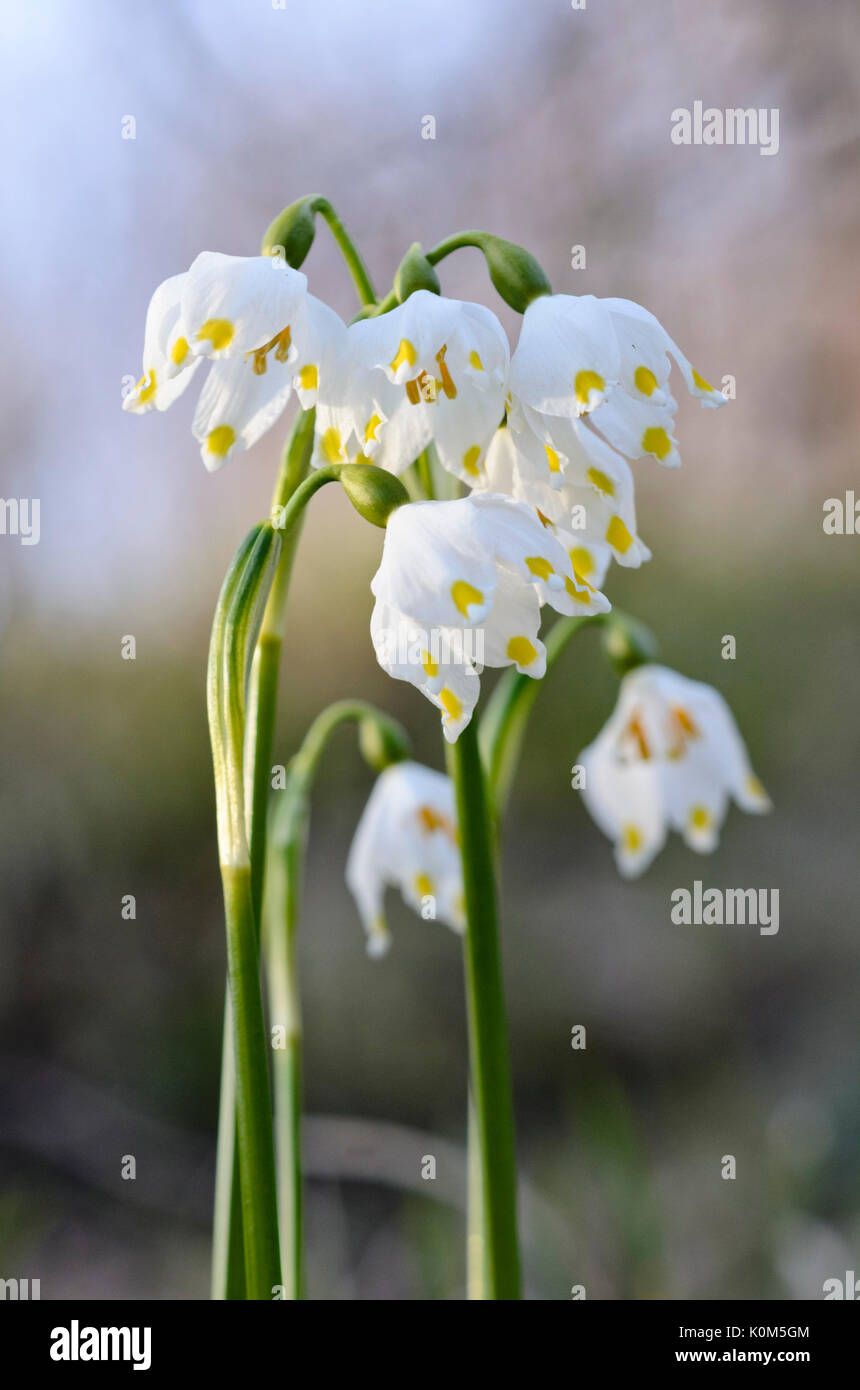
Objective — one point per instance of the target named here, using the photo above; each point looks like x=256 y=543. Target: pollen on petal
x=585 y=383
x=522 y=651
x=539 y=567
x=331 y=445
x=309 y=377
x=218 y=331
x=465 y=595
x=471 y=460
x=405 y=353
x=452 y=706
x=645 y=380
x=700 y=382
x=601 y=481
x=618 y=536
x=179 y=351
x=221 y=440
x=656 y=441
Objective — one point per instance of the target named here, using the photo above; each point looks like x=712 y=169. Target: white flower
x=433 y=369
x=670 y=757
x=407 y=838
x=461 y=584
x=252 y=316
x=607 y=359
x=587 y=503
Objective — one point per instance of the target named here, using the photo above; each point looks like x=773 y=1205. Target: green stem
x=488 y=1031
x=349 y=251
x=253 y=1105
x=228 y=1254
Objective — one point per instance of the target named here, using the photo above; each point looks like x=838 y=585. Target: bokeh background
x=553 y=130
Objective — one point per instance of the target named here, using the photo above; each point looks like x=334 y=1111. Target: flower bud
x=515 y=273
x=415 y=273
x=372 y=491
x=627 y=642
x=294 y=230
x=382 y=741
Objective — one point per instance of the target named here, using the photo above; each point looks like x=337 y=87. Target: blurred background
x=552 y=128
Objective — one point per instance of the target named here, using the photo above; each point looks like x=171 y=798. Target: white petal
x=567 y=355
x=232 y=305
x=168 y=365
x=237 y=406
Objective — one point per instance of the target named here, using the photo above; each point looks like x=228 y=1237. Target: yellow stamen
x=447 y=380
x=635 y=728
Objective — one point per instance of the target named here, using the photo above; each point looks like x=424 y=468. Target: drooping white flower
x=607 y=360
x=407 y=838
x=669 y=758
x=265 y=335
x=431 y=370
x=589 y=506
x=460 y=585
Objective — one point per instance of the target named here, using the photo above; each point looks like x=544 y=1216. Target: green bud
x=372 y=491
x=293 y=229
x=627 y=642
x=515 y=273
x=382 y=741
x=415 y=273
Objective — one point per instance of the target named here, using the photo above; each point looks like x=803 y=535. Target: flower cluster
x=541 y=438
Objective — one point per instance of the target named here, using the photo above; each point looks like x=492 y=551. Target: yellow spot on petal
x=309 y=377
x=699 y=818
x=371 y=429
x=218 y=331
x=585 y=383
x=471 y=459
x=221 y=440
x=475 y=361
x=601 y=481
x=645 y=380
x=331 y=445
x=405 y=353
x=755 y=787
x=451 y=705
x=631 y=838
x=582 y=561
x=656 y=441
x=582 y=595
x=179 y=351
x=700 y=382
x=148 y=391
x=430 y=666
x=539 y=566
x=618 y=536
x=424 y=886
x=522 y=651
x=552 y=459
x=465 y=595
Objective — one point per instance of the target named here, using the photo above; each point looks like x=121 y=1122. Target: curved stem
x=286 y=853
x=488 y=1031
x=357 y=268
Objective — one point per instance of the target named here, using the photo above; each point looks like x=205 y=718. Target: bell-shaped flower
x=669 y=758
x=407 y=838
x=431 y=370
x=607 y=360
x=460 y=586
x=250 y=315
